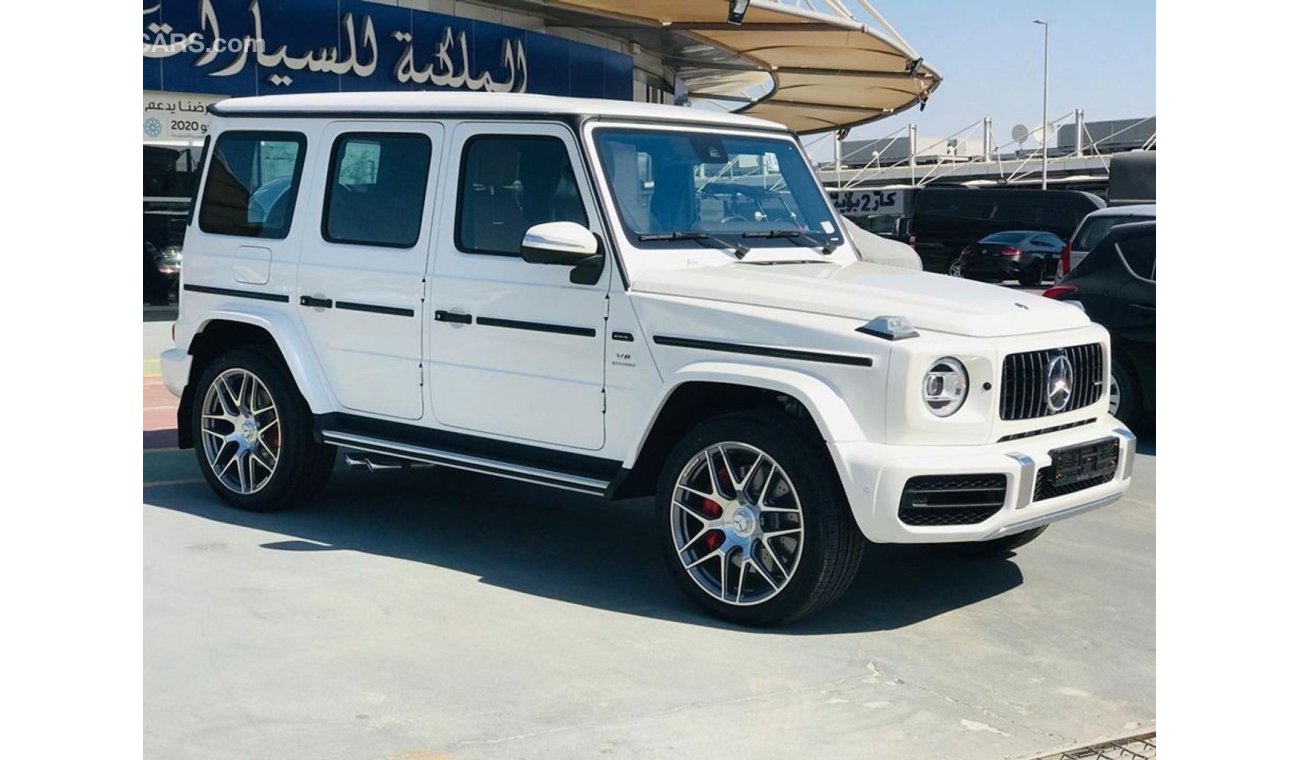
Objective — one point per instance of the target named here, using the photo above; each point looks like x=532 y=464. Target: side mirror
x=562 y=243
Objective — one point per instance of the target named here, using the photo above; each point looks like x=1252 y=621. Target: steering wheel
x=733 y=218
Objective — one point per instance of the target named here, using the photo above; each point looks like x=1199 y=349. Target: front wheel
x=955 y=268
x=753 y=521
x=254 y=438
x=1032 y=277
x=1125 y=404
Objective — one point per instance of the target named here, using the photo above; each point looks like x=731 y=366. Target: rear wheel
x=955 y=268
x=753 y=522
x=255 y=445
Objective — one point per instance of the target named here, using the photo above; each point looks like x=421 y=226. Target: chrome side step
x=459 y=461
x=381 y=463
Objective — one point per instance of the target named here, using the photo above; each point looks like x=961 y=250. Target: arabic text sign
x=869 y=201
x=236 y=47
x=176 y=116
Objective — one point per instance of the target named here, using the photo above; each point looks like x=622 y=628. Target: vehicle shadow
x=574 y=548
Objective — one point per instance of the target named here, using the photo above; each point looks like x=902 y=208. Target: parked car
x=1021 y=255
x=1116 y=285
x=946 y=219
x=532 y=288
x=1094 y=227
x=162 y=271
x=880 y=249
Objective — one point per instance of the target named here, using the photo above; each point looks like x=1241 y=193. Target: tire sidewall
x=295 y=428
x=820 y=497
x=1130 y=410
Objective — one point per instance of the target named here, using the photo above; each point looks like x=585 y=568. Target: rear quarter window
x=252 y=184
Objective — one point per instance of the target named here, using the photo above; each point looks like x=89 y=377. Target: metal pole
x=988 y=139
x=911 y=151
x=1078 y=133
x=1044 y=133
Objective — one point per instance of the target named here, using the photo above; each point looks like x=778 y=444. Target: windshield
x=725 y=186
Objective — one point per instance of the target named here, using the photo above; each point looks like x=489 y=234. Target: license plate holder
x=1083 y=461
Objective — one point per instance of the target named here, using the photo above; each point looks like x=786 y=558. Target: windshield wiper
x=812 y=242
x=702 y=237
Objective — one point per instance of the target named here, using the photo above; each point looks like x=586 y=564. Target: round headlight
x=945 y=385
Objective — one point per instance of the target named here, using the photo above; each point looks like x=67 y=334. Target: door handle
x=447 y=316
x=319 y=303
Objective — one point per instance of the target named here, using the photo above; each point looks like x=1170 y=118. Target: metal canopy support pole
x=1078 y=133
x=911 y=151
x=988 y=139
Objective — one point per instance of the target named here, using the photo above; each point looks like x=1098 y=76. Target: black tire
x=1130 y=398
x=997 y=547
x=303 y=465
x=831 y=547
x=1032 y=277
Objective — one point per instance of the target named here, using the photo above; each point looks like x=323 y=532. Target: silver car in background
x=1094 y=227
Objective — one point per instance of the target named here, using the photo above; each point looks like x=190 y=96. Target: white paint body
x=598 y=396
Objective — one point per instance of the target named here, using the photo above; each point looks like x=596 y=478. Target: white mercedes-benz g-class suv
x=625 y=300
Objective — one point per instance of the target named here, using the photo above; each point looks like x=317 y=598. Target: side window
x=252 y=184
x=1140 y=254
x=375 y=190
x=510 y=183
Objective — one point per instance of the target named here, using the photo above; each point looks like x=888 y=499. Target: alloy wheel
x=241 y=431
x=1115 y=396
x=737 y=524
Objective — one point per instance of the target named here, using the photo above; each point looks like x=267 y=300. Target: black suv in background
x=946 y=219
x=1116 y=285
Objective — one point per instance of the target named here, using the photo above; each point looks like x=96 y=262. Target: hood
x=862 y=291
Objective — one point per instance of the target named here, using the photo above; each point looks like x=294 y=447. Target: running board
x=468 y=462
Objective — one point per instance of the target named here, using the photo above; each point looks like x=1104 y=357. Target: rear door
x=361 y=274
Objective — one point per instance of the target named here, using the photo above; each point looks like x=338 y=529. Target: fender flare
x=826 y=407
x=292 y=343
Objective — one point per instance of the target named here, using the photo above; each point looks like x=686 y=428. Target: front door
x=361 y=274
x=516 y=349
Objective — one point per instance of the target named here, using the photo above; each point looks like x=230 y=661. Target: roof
x=1140 y=209
x=826 y=68
x=451 y=103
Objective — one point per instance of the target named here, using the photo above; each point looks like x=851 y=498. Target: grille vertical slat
x=1024 y=381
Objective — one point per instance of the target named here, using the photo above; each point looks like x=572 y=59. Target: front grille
x=1024 y=381
x=1044 y=488
x=952 y=499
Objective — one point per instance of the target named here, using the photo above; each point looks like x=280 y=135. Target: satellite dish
x=1020 y=133
x=1038 y=134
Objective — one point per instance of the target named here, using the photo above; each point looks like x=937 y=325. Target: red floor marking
x=159 y=415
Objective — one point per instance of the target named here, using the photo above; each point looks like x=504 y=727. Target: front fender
x=293 y=345
x=826 y=407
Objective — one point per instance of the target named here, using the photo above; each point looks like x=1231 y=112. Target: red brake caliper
x=713 y=510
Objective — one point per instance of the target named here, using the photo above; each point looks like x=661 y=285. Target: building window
x=375 y=194
x=252 y=184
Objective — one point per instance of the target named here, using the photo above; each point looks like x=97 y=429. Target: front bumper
x=175 y=369
x=874 y=476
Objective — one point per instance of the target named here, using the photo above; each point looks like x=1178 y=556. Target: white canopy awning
x=824 y=69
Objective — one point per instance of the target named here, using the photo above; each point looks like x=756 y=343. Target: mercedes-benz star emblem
x=1060 y=383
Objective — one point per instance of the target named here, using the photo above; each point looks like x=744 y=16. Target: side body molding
x=293 y=345
x=826 y=407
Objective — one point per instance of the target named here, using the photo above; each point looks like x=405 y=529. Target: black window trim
x=329 y=189
x=1128 y=265
x=460 y=186
x=295 y=184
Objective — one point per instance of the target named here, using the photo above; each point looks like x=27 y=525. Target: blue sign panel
x=263 y=47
